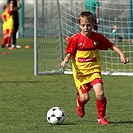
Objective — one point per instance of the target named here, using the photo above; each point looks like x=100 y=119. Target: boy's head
x=4 y=7
x=86 y=15
x=86 y=23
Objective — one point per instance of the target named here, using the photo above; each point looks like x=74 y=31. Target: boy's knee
x=100 y=95
x=84 y=98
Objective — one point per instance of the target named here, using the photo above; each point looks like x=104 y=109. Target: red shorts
x=85 y=88
x=8 y=31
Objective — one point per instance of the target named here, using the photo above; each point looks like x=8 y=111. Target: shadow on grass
x=69 y=124
x=121 y=122
x=9 y=82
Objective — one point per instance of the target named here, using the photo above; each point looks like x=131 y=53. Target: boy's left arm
x=4 y=17
x=18 y=6
x=123 y=58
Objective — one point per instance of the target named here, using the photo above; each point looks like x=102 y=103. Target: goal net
x=54 y=20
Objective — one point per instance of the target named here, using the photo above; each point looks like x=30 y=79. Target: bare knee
x=100 y=95
x=84 y=98
x=99 y=91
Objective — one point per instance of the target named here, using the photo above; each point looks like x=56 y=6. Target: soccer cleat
x=16 y=46
x=80 y=109
x=103 y=121
x=13 y=46
x=7 y=45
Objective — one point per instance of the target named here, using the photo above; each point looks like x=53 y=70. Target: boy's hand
x=124 y=59
x=67 y=58
x=63 y=64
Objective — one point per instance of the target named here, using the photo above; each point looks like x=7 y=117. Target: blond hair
x=88 y=15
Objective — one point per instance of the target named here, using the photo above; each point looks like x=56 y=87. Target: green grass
x=25 y=99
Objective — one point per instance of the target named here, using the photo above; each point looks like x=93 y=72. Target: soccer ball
x=55 y=116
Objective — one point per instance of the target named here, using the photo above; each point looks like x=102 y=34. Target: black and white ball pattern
x=55 y=116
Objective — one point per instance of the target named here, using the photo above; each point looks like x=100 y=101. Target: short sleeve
x=104 y=43
x=72 y=47
x=4 y=17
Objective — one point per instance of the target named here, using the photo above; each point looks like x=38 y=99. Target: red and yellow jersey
x=7 y=20
x=85 y=56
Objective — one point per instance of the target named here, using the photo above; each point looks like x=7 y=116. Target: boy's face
x=86 y=27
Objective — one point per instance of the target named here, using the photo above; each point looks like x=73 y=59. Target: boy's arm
x=67 y=58
x=11 y=6
x=4 y=17
x=123 y=58
x=18 y=6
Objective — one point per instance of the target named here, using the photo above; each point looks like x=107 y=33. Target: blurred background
x=109 y=10
x=26 y=14
x=57 y=19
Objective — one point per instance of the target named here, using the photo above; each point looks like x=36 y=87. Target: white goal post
x=54 y=20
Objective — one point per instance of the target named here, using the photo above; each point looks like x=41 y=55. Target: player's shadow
x=69 y=123
x=121 y=122
x=9 y=82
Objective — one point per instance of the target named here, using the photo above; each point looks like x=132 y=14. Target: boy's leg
x=83 y=98
x=100 y=101
x=80 y=107
x=8 y=38
x=101 y=108
x=4 y=39
x=9 y=41
x=4 y=42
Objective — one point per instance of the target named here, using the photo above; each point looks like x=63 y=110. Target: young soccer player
x=7 y=24
x=16 y=7
x=83 y=49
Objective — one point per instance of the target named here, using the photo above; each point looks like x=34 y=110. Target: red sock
x=79 y=101
x=9 y=41
x=4 y=41
x=101 y=107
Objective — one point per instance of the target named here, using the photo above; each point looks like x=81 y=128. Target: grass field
x=25 y=99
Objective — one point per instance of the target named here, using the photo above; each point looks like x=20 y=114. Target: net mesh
x=56 y=22
x=48 y=37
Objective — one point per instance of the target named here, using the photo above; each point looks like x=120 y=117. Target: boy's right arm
x=18 y=5
x=67 y=58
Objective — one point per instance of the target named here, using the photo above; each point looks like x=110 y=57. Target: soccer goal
x=54 y=20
